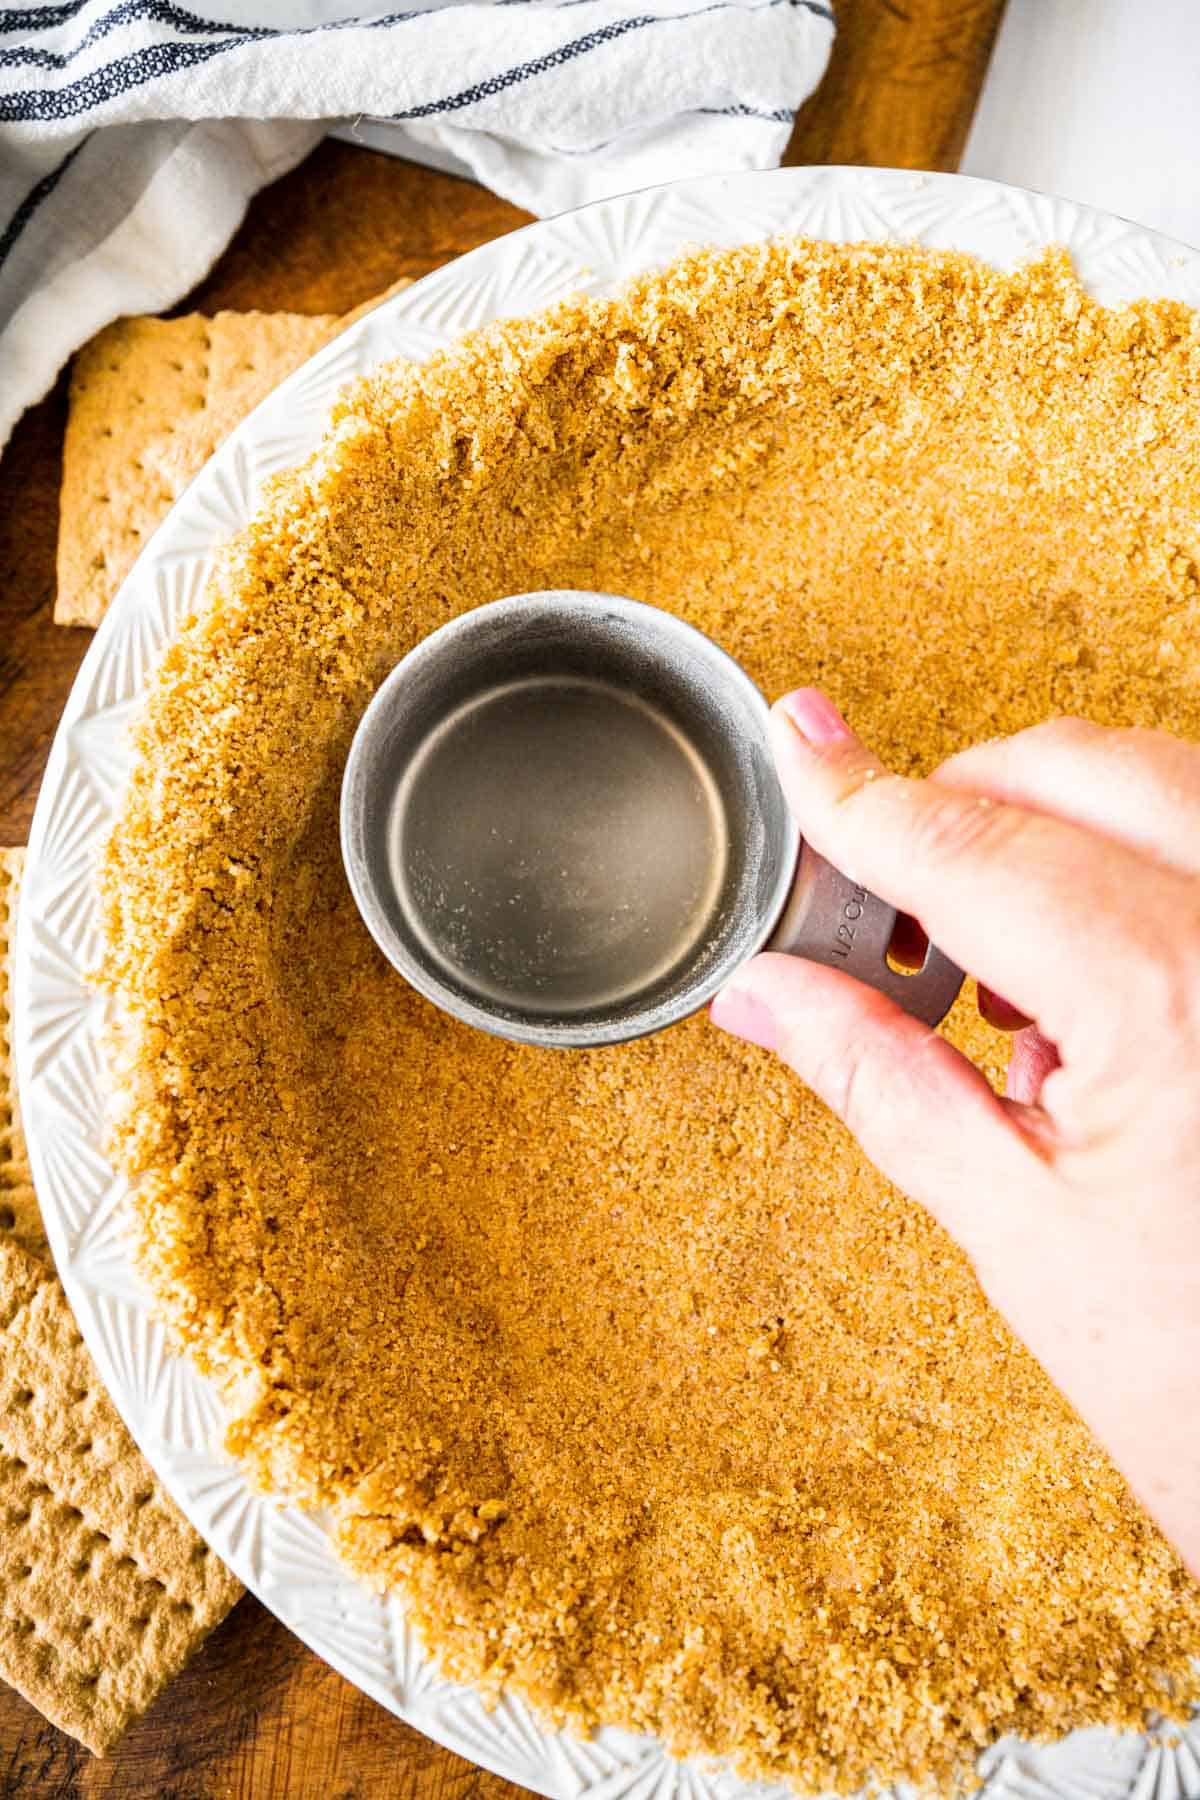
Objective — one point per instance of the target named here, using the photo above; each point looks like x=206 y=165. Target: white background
x=1098 y=100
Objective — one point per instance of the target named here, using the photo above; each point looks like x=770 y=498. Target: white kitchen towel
x=133 y=132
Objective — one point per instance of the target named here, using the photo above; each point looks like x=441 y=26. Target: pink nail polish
x=744 y=1015
x=816 y=717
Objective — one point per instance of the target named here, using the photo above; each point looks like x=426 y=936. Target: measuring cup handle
x=829 y=919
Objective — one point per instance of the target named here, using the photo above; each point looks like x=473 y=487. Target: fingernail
x=744 y=1015
x=815 y=717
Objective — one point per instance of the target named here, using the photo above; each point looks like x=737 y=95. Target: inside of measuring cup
x=567 y=818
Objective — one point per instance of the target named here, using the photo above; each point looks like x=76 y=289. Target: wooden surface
x=256 y=1716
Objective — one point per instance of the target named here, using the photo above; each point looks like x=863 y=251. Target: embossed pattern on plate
x=277 y=1551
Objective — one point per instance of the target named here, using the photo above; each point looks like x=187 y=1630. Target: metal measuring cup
x=561 y=822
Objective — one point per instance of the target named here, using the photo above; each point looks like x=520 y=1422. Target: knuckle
x=951 y=827
x=1068 y=730
x=1148 y=1026
x=1161 y=985
x=843 y=1080
x=863 y=800
x=1160 y=754
x=856 y=777
x=852 y=1096
x=858 y=1084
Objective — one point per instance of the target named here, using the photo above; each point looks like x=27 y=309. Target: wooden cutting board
x=257 y=1716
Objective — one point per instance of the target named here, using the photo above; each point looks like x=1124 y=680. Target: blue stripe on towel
x=157 y=60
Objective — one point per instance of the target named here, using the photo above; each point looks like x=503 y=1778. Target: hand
x=1062 y=868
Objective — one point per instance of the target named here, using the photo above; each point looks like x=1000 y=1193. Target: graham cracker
x=134 y=385
x=245 y=355
x=105 y=1589
x=150 y=401
x=20 y=1216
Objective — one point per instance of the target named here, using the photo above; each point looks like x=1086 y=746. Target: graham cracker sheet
x=150 y=400
x=105 y=1589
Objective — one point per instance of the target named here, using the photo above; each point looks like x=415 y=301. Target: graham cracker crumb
x=661 y=1406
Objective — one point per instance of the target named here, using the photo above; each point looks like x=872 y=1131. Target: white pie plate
x=279 y=1552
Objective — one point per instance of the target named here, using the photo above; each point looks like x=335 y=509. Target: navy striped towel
x=133 y=132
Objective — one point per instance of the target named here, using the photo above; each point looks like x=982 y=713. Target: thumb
x=922 y=1112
